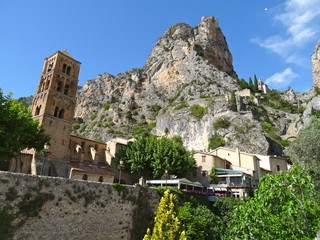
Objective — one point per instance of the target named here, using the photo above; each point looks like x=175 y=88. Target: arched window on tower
x=50 y=67
x=38 y=110
x=43 y=85
x=85 y=177
x=64 y=68
x=47 y=85
x=61 y=113
x=66 y=89
x=59 y=86
x=68 y=70
x=56 y=112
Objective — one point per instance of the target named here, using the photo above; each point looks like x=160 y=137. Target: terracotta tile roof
x=91 y=168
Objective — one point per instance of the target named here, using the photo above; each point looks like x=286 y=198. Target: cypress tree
x=166 y=222
x=255 y=83
x=251 y=84
x=233 y=101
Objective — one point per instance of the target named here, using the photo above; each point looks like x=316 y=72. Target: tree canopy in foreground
x=154 y=156
x=17 y=128
x=305 y=150
x=285 y=206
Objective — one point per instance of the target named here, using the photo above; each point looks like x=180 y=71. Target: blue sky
x=270 y=38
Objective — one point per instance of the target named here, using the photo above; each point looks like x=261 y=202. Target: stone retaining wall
x=33 y=207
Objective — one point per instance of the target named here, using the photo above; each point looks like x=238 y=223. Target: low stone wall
x=33 y=207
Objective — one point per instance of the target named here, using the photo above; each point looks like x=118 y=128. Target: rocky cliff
x=186 y=88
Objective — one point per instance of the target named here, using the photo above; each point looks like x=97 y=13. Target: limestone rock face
x=184 y=54
x=189 y=68
x=315 y=59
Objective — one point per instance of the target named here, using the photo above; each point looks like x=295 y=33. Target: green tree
x=199 y=221
x=305 y=150
x=153 y=156
x=243 y=84
x=286 y=206
x=215 y=141
x=17 y=128
x=213 y=176
x=251 y=86
x=166 y=222
x=255 y=84
x=233 y=101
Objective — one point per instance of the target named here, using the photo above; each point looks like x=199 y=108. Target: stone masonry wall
x=33 y=207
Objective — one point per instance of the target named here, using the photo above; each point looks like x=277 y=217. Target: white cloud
x=301 y=19
x=281 y=80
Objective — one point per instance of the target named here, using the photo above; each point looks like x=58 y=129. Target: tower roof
x=66 y=53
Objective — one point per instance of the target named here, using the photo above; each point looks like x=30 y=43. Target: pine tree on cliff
x=251 y=86
x=233 y=101
x=166 y=222
x=255 y=83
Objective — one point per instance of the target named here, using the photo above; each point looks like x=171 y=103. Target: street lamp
x=166 y=174
x=44 y=153
x=120 y=167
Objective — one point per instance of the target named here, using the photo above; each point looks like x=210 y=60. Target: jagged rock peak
x=182 y=40
x=315 y=60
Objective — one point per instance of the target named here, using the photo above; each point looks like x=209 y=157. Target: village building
x=240 y=171
x=262 y=87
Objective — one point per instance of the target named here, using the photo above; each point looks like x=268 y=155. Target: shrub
x=315 y=113
x=216 y=141
x=197 y=111
x=75 y=126
x=181 y=105
x=317 y=90
x=245 y=128
x=93 y=116
x=267 y=127
x=284 y=143
x=106 y=106
x=110 y=130
x=221 y=122
x=152 y=124
x=155 y=107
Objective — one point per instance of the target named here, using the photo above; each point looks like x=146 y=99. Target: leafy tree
x=215 y=141
x=166 y=222
x=17 y=128
x=305 y=150
x=199 y=221
x=153 y=156
x=213 y=176
x=285 y=206
x=222 y=209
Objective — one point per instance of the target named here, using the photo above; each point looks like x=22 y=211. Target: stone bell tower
x=54 y=102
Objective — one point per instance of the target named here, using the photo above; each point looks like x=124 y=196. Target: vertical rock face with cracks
x=185 y=53
x=315 y=59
